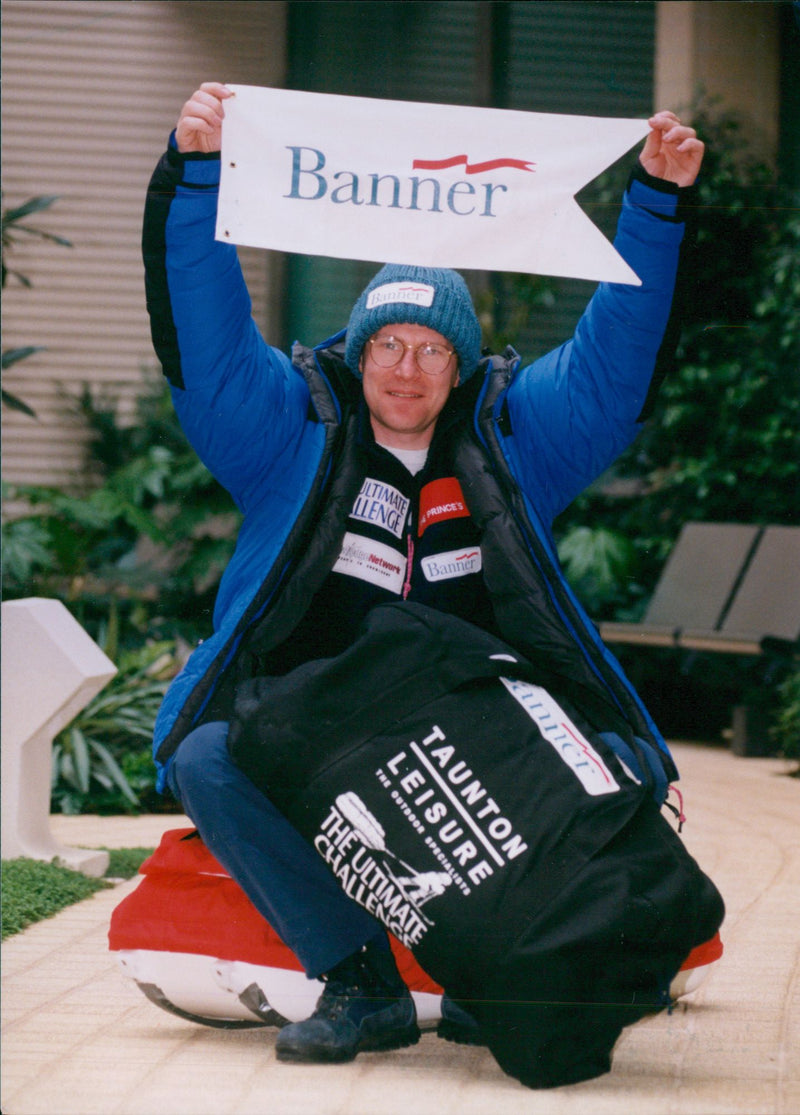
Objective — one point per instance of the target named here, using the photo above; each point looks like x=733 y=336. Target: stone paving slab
x=78 y=1038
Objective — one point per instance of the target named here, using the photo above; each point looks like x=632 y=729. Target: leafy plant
x=13 y=230
x=723 y=443
x=26 y=548
x=137 y=559
x=785 y=732
x=599 y=563
x=507 y=307
x=124 y=863
x=89 y=756
x=33 y=890
x=139 y=770
x=724 y=440
x=150 y=539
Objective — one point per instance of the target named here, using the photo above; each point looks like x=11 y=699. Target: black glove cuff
x=661 y=184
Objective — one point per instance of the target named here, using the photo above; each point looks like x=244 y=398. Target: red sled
x=195 y=945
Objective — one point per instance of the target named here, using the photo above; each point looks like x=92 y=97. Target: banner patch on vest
x=371 y=561
x=452 y=563
x=564 y=737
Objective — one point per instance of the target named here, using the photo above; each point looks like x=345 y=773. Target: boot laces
x=350 y=980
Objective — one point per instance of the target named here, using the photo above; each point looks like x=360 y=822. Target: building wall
x=728 y=50
x=590 y=57
x=91 y=89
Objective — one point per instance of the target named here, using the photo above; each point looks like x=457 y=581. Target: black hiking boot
x=365 y=1006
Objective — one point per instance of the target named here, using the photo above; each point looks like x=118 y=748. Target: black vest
x=404 y=538
x=522 y=595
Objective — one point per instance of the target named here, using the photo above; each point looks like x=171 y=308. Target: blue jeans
x=279 y=871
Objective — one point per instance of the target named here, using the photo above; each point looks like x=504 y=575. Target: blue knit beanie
x=430 y=296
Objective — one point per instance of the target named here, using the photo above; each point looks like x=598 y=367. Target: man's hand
x=672 y=150
x=199 y=126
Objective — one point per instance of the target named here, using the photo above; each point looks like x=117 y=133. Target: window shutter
x=395 y=50
x=591 y=58
x=584 y=58
x=91 y=91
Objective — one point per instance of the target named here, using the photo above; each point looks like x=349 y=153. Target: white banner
x=404 y=182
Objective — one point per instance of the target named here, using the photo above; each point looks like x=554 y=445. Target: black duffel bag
x=479 y=812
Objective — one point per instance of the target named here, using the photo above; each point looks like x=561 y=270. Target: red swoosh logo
x=472 y=168
x=591 y=758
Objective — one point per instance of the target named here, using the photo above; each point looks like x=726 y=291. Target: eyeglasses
x=432 y=359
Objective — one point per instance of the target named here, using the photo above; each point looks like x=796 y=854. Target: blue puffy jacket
x=265 y=425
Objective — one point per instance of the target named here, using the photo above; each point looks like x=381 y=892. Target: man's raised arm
x=199 y=127
x=672 y=150
x=576 y=409
x=230 y=388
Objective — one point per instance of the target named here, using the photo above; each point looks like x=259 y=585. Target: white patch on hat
x=418 y=294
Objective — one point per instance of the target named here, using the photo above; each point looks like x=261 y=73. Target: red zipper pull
x=409 y=559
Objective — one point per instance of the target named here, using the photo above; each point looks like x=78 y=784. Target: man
x=359 y=474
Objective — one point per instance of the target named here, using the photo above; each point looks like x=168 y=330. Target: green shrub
x=136 y=560
x=723 y=442
x=14 y=230
x=33 y=890
x=125 y=862
x=599 y=563
x=101 y=761
x=786 y=730
x=147 y=541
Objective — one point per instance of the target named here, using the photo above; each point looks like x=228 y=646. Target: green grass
x=125 y=862
x=34 y=890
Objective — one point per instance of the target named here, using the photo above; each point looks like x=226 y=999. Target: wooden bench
x=763 y=614
x=727 y=588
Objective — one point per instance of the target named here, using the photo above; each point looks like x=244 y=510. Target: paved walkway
x=80 y=1039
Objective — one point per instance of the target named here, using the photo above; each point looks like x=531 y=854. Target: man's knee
x=201 y=759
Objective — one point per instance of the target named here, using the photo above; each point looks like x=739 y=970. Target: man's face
x=405 y=402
